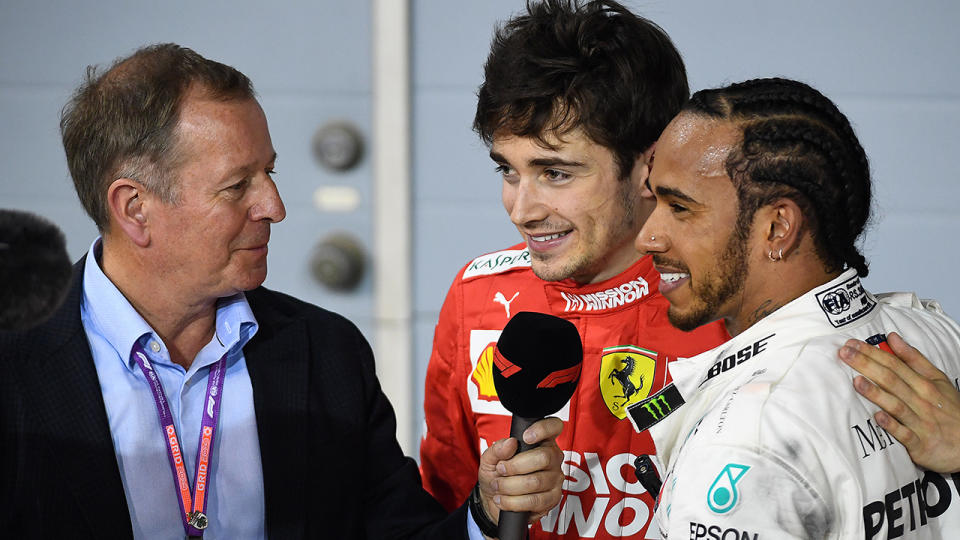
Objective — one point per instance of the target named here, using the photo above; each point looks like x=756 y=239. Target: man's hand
x=921 y=405
x=527 y=482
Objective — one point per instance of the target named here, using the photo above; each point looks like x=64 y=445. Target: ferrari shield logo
x=626 y=373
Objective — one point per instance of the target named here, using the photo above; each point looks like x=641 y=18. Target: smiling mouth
x=548 y=237
x=673 y=277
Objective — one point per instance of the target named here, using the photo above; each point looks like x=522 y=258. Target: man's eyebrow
x=554 y=161
x=248 y=168
x=663 y=191
x=539 y=162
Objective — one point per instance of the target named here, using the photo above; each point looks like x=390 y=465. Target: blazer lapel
x=66 y=400
x=278 y=361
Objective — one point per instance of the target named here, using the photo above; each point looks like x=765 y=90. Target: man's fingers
x=900 y=432
x=535 y=503
x=885 y=400
x=542 y=458
x=527 y=484
x=499 y=451
x=542 y=430
x=913 y=358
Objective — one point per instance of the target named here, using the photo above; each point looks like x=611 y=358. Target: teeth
x=672 y=277
x=547 y=237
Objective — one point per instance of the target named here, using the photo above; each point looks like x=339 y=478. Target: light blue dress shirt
x=235 y=506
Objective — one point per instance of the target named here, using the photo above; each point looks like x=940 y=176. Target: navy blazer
x=332 y=467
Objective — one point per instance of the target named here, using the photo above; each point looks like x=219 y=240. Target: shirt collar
x=118 y=322
x=620 y=292
x=839 y=302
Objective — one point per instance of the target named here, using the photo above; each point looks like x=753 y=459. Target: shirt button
x=154 y=346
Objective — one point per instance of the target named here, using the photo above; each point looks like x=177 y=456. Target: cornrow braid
x=796 y=144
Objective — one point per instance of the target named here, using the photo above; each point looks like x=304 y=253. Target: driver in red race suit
x=627 y=342
x=574 y=96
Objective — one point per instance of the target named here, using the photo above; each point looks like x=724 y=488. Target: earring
x=778 y=257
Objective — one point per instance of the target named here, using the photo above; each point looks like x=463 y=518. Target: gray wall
x=310 y=63
x=891 y=66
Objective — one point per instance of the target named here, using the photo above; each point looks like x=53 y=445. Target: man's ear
x=783 y=222
x=642 y=168
x=125 y=202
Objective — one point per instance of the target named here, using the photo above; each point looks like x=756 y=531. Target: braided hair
x=796 y=144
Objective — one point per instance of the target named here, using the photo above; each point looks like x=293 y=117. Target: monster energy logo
x=656 y=402
x=655 y=408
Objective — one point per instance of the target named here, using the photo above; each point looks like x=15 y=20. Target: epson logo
x=625 y=293
x=713 y=532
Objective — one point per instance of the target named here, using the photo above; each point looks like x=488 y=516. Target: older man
x=171 y=395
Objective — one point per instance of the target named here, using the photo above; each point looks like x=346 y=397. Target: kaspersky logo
x=723 y=495
x=626 y=375
x=482 y=375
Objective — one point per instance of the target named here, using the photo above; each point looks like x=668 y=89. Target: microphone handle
x=513 y=525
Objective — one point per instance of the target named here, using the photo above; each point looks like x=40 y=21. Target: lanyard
x=194 y=519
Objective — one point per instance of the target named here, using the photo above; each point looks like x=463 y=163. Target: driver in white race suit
x=762 y=191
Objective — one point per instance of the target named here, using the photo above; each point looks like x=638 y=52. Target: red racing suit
x=627 y=341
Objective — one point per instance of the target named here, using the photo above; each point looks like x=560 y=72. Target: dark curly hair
x=567 y=64
x=796 y=144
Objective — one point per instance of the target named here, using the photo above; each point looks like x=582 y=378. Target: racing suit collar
x=839 y=302
x=635 y=284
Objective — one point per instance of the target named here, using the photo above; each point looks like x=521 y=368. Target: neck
x=771 y=285
x=184 y=324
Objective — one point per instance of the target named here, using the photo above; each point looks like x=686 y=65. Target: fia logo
x=723 y=495
x=836 y=302
x=501 y=299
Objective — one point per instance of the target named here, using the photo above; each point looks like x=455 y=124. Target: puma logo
x=501 y=299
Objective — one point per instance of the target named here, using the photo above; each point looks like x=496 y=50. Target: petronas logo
x=723 y=495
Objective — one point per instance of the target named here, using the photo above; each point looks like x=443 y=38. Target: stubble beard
x=586 y=263
x=715 y=288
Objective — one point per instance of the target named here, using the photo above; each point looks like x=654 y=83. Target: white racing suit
x=774 y=442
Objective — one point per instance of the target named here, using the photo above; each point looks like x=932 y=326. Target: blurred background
x=389 y=192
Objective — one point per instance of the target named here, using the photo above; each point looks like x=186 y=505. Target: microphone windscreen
x=537 y=364
x=35 y=269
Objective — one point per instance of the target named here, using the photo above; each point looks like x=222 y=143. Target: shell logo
x=482 y=375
